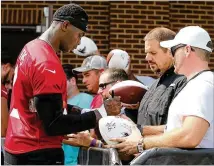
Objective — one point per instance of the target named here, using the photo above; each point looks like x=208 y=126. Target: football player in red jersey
x=36 y=122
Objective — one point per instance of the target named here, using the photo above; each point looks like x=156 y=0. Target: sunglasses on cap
x=173 y=49
x=103 y=85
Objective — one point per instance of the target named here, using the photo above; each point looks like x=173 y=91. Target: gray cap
x=92 y=62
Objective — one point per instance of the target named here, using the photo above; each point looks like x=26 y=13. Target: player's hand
x=79 y=139
x=126 y=146
x=113 y=106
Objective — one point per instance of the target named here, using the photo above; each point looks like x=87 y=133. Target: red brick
x=164 y=22
x=185 y=11
x=178 y=6
x=124 y=36
x=161 y=3
x=132 y=31
x=124 y=6
x=132 y=12
x=155 y=7
x=162 y=12
x=132 y=21
x=147 y=2
x=117 y=11
x=143 y=7
x=139 y=26
x=125 y=26
x=200 y=21
x=193 y=16
x=135 y=51
x=154 y=17
x=125 y=16
x=138 y=36
x=92 y=12
x=117 y=21
x=206 y=7
x=133 y=2
x=207 y=17
x=147 y=12
x=139 y=17
x=120 y=24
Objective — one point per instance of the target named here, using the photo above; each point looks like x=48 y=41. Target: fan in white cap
x=188 y=35
x=86 y=47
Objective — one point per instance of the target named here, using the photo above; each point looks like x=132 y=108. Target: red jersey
x=4 y=92
x=38 y=71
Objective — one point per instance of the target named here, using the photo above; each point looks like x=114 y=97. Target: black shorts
x=38 y=157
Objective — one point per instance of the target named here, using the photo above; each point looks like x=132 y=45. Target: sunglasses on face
x=103 y=85
x=173 y=49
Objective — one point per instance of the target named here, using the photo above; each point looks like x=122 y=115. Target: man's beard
x=158 y=72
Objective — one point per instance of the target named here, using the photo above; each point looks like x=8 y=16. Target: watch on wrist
x=140 y=146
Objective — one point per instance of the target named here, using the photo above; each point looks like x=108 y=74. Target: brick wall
x=187 y=13
x=118 y=24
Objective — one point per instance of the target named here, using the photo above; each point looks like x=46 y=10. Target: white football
x=116 y=127
x=119 y=59
x=86 y=47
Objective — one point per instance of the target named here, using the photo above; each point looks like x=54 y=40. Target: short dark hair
x=68 y=69
x=73 y=13
x=160 y=34
x=6 y=57
x=116 y=74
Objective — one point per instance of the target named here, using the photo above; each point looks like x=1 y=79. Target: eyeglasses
x=173 y=49
x=103 y=85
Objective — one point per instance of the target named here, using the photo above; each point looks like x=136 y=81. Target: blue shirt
x=82 y=100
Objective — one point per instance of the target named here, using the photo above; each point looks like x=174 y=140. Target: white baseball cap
x=118 y=59
x=191 y=35
x=86 y=47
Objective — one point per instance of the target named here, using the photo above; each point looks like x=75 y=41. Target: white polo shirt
x=195 y=99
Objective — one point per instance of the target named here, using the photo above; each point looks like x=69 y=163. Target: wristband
x=93 y=143
x=100 y=144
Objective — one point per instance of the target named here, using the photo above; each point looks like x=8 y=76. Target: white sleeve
x=200 y=101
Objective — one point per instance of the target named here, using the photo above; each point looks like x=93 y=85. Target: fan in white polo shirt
x=193 y=109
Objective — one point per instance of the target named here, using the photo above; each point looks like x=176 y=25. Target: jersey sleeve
x=46 y=78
